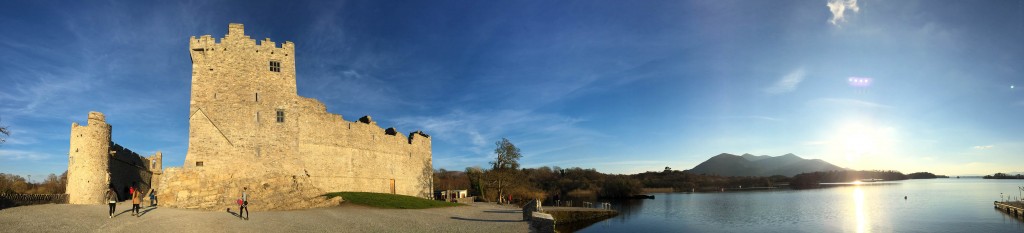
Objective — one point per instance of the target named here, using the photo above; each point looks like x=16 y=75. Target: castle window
x=257 y=97
x=280 y=115
x=275 y=66
x=199 y=163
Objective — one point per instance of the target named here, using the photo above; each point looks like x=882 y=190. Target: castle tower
x=242 y=92
x=249 y=128
x=156 y=168
x=88 y=160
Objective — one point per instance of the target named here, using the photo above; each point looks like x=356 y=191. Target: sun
x=856 y=140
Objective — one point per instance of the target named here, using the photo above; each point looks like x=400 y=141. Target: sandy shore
x=477 y=217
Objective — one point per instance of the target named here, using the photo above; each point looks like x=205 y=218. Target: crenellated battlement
x=236 y=38
x=95 y=162
x=245 y=107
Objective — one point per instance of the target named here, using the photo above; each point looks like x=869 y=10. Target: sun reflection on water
x=858 y=204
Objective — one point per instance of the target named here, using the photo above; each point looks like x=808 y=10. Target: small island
x=1001 y=175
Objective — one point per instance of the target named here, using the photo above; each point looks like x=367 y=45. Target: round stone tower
x=88 y=160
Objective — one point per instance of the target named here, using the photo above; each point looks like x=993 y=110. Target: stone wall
x=95 y=163
x=128 y=168
x=88 y=158
x=541 y=222
x=245 y=113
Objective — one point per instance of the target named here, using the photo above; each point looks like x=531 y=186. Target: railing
x=8 y=200
x=584 y=204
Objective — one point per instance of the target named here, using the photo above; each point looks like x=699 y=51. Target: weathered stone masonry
x=249 y=128
x=94 y=162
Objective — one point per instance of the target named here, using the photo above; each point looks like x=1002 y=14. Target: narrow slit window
x=280 y=115
x=257 y=97
x=275 y=66
x=199 y=163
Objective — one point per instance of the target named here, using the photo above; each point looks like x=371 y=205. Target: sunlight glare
x=858 y=202
x=858 y=140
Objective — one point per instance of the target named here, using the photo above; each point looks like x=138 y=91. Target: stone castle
x=248 y=127
x=96 y=163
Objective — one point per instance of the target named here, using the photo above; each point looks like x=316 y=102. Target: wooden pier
x=1015 y=209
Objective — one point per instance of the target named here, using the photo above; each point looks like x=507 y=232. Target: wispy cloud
x=750 y=117
x=838 y=9
x=22 y=155
x=788 y=82
x=843 y=102
x=985 y=147
x=468 y=136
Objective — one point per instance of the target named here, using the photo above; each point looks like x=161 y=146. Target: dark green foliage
x=621 y=186
x=504 y=175
x=686 y=181
x=475 y=176
x=814 y=179
x=1004 y=176
x=922 y=175
x=508 y=155
x=389 y=201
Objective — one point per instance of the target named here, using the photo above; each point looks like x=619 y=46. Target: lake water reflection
x=937 y=205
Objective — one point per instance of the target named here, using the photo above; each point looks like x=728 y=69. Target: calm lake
x=935 y=205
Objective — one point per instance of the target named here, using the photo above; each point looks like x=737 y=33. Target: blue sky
x=620 y=86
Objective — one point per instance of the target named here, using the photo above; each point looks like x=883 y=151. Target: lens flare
x=859 y=81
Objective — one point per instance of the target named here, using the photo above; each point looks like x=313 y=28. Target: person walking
x=152 y=197
x=245 y=204
x=111 y=198
x=135 y=202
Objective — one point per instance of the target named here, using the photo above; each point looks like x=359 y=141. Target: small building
x=451 y=195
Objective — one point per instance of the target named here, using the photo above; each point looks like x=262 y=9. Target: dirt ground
x=477 y=217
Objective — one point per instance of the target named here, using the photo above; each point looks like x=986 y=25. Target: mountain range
x=753 y=165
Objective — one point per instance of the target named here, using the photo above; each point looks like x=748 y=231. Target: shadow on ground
x=146 y=210
x=237 y=215
x=503 y=211
x=485 y=220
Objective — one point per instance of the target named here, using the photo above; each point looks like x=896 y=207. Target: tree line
x=1001 y=175
x=506 y=182
x=53 y=184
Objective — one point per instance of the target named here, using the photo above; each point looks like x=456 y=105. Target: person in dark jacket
x=111 y=198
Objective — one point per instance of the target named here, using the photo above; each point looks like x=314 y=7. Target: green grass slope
x=389 y=201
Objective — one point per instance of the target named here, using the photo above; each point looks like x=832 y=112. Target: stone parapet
x=541 y=222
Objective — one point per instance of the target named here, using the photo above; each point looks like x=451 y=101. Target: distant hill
x=753 y=165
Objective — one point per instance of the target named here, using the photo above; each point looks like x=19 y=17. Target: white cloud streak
x=15 y=155
x=841 y=102
x=985 y=147
x=470 y=134
x=838 y=9
x=788 y=82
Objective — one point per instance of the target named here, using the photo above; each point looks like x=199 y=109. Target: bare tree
x=505 y=167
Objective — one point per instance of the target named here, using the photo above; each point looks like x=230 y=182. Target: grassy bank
x=390 y=201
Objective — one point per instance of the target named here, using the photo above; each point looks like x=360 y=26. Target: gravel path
x=477 y=217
